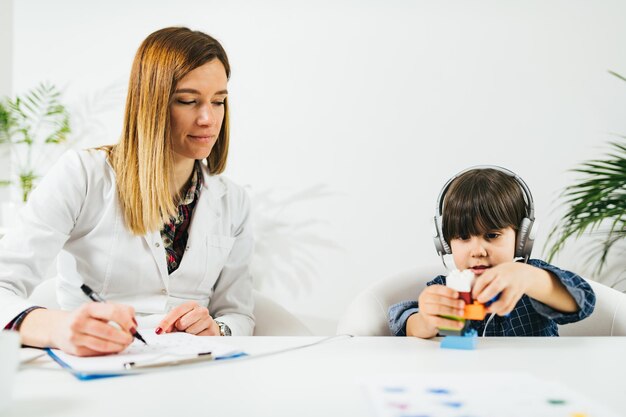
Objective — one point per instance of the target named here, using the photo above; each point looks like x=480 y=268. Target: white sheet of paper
x=163 y=347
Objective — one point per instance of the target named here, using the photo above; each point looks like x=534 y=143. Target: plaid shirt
x=175 y=233
x=529 y=317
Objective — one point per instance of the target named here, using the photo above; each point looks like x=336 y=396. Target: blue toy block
x=466 y=342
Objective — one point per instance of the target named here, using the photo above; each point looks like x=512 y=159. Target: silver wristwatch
x=224 y=329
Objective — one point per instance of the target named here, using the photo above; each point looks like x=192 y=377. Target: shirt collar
x=193 y=192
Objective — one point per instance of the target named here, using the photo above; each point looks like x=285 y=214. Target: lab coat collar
x=206 y=214
x=212 y=183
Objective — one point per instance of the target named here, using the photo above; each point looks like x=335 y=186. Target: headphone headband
x=528 y=197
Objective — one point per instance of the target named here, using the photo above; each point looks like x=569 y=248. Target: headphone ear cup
x=446 y=247
x=440 y=243
x=525 y=239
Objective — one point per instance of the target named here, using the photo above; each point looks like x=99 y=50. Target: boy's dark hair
x=482 y=200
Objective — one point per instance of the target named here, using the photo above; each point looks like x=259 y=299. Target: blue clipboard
x=83 y=376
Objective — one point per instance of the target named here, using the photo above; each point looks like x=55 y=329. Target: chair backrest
x=608 y=317
x=271 y=318
x=367 y=314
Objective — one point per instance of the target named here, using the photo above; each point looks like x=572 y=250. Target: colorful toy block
x=474 y=311
x=462 y=281
x=448 y=331
x=465 y=342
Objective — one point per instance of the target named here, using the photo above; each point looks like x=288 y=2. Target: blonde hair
x=142 y=160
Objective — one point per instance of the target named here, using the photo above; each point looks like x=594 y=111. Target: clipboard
x=83 y=376
x=170 y=349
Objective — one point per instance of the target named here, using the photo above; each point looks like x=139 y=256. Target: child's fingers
x=438 y=309
x=437 y=304
x=484 y=293
x=441 y=290
x=448 y=302
x=481 y=283
x=441 y=295
x=505 y=304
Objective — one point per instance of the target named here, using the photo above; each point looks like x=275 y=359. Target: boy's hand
x=506 y=279
x=435 y=301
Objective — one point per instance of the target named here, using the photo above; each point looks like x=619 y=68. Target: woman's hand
x=191 y=318
x=435 y=301
x=87 y=331
x=509 y=279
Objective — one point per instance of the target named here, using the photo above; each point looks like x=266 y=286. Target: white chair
x=367 y=314
x=608 y=317
x=271 y=318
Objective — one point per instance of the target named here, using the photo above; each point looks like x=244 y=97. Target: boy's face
x=481 y=252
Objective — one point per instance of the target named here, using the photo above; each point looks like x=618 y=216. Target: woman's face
x=197 y=110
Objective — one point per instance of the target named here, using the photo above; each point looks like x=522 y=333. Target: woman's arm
x=26 y=253
x=232 y=302
x=44 y=226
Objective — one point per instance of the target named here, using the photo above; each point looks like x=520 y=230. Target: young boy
x=485 y=211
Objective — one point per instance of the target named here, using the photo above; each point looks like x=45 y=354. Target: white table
x=322 y=380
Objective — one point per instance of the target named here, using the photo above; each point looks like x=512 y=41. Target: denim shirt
x=529 y=317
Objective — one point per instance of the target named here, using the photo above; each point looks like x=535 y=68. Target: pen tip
x=138 y=336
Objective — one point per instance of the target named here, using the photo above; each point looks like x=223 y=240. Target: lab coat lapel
x=208 y=210
x=155 y=244
x=206 y=217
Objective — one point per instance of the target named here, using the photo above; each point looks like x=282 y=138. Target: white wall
x=379 y=102
x=6 y=81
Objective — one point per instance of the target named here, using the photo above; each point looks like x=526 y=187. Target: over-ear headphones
x=525 y=233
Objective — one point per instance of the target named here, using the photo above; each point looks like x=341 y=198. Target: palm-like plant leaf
x=35 y=119
x=40 y=109
x=596 y=204
x=6 y=122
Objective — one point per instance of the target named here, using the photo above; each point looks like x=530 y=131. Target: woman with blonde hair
x=148 y=223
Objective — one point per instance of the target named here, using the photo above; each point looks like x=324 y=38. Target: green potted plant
x=30 y=124
x=596 y=206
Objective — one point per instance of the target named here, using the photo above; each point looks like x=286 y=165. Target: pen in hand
x=95 y=297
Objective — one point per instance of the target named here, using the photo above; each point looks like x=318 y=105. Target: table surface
x=325 y=379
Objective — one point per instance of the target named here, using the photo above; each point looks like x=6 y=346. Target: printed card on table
x=478 y=395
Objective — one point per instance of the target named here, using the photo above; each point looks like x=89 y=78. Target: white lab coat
x=74 y=216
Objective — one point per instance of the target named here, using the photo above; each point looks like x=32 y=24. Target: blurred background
x=348 y=116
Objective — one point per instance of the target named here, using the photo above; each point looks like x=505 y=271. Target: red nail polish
x=135 y=321
x=158 y=330
x=133 y=330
